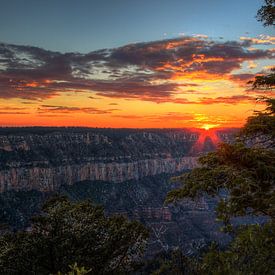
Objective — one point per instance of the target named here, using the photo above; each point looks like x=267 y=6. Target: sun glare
x=208 y=126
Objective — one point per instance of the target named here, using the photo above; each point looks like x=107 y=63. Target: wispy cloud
x=260 y=40
x=8 y=110
x=69 y=109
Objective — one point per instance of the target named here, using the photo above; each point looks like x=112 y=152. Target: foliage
x=69 y=233
x=251 y=252
x=170 y=263
x=76 y=270
x=264 y=82
x=246 y=173
x=16 y=207
x=266 y=13
x=242 y=174
x=246 y=169
x=262 y=124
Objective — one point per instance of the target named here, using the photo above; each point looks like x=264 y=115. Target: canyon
x=128 y=171
x=46 y=160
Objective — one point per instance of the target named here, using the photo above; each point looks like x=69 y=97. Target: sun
x=208 y=126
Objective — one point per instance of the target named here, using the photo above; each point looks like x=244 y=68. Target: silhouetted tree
x=67 y=233
x=266 y=13
x=246 y=170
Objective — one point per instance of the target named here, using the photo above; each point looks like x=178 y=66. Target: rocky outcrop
x=51 y=178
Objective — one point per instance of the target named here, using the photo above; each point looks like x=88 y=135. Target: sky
x=134 y=64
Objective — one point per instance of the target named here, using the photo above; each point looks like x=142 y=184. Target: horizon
x=123 y=128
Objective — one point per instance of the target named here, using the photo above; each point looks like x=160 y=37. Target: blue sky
x=87 y=25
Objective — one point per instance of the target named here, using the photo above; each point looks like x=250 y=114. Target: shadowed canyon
x=126 y=170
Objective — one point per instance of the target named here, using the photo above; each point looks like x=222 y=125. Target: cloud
x=13 y=113
x=231 y=100
x=252 y=65
x=227 y=99
x=262 y=39
x=7 y=110
x=201 y=36
x=154 y=71
x=68 y=110
x=242 y=79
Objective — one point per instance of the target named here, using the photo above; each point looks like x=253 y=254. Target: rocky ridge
x=45 y=159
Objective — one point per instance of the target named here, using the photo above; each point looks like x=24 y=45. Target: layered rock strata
x=46 y=158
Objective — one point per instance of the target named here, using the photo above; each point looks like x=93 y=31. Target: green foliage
x=171 y=263
x=76 y=270
x=261 y=124
x=251 y=252
x=16 y=207
x=266 y=13
x=246 y=173
x=69 y=233
x=244 y=170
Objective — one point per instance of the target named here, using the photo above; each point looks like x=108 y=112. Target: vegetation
x=77 y=238
x=244 y=170
x=266 y=13
x=262 y=123
x=68 y=233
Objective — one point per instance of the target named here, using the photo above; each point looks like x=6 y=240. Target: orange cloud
x=151 y=82
x=260 y=40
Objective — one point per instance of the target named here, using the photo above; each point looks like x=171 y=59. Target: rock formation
x=44 y=159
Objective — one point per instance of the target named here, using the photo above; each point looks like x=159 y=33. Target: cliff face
x=51 y=178
x=44 y=159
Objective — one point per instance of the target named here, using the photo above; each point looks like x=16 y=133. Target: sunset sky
x=146 y=63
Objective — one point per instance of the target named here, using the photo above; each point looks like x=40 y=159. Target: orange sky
x=186 y=82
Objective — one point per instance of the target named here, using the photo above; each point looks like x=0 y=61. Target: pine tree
x=246 y=170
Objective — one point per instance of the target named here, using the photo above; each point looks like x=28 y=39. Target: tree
x=251 y=252
x=246 y=171
x=76 y=270
x=266 y=13
x=67 y=233
x=262 y=124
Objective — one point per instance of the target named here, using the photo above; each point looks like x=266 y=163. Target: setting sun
x=209 y=126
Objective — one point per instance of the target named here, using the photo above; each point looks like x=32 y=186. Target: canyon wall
x=51 y=178
x=46 y=158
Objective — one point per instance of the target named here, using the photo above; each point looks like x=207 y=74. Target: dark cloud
x=136 y=71
x=67 y=110
x=8 y=110
x=227 y=99
x=235 y=99
x=13 y=113
x=93 y=97
x=242 y=77
x=186 y=54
